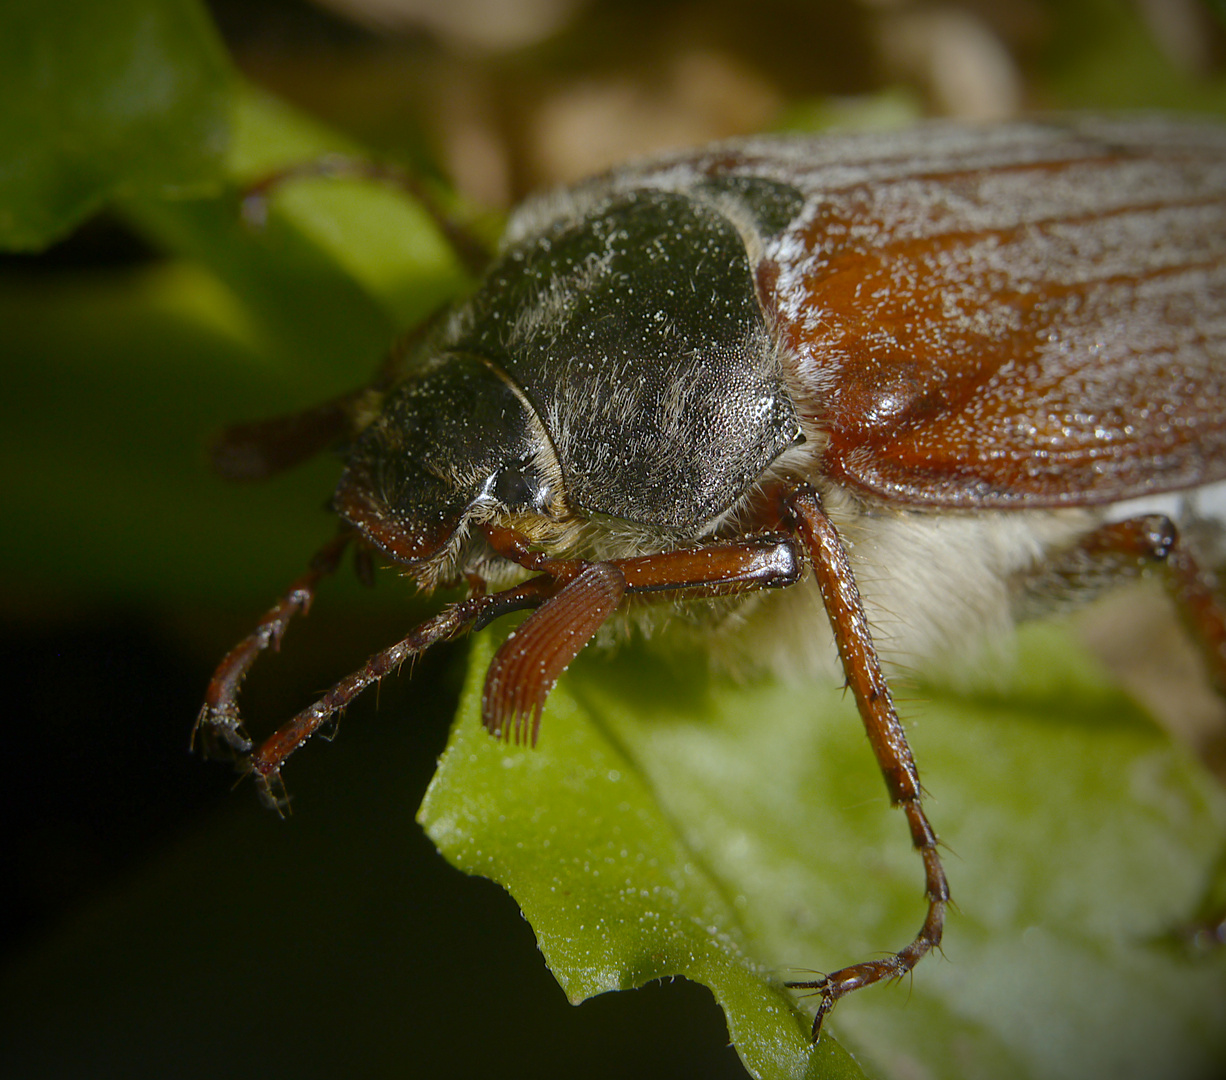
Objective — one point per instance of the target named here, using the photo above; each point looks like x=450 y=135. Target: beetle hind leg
x=1124 y=550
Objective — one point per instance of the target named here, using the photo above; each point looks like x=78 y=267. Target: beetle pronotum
x=926 y=364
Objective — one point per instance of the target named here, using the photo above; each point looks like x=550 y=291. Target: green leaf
x=99 y=99
x=119 y=377
x=342 y=266
x=1100 y=54
x=671 y=822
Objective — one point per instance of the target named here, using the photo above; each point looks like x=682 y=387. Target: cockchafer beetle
x=929 y=374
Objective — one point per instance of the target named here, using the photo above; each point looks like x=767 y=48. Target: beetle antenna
x=528 y=663
x=471 y=250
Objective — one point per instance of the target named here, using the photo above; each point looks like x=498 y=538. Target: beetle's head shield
x=452 y=440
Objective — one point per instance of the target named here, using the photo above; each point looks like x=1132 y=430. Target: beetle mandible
x=898 y=369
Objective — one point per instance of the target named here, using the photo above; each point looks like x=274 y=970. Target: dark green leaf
x=118 y=378
x=98 y=99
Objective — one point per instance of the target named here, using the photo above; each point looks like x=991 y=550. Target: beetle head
x=454 y=442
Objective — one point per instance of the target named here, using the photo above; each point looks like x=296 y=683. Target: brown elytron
x=776 y=362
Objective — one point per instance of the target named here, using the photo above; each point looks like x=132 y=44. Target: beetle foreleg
x=722 y=568
x=529 y=662
x=219 y=727
x=451 y=622
x=868 y=685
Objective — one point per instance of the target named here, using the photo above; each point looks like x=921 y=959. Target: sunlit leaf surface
x=672 y=823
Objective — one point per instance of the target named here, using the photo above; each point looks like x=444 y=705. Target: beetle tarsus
x=219 y=730
x=219 y=734
x=837 y=985
x=831 y=988
x=271 y=789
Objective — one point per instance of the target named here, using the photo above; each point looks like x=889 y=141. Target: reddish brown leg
x=219 y=727
x=1154 y=539
x=1120 y=550
x=718 y=568
x=528 y=664
x=559 y=635
x=837 y=583
x=451 y=622
x=1126 y=548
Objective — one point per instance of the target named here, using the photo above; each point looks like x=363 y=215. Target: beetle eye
x=516 y=490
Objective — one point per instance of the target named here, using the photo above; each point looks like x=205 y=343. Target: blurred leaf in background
x=126 y=98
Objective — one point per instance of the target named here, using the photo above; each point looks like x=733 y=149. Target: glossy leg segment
x=867 y=683
x=717 y=568
x=219 y=727
x=1196 y=594
x=574 y=598
x=529 y=662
